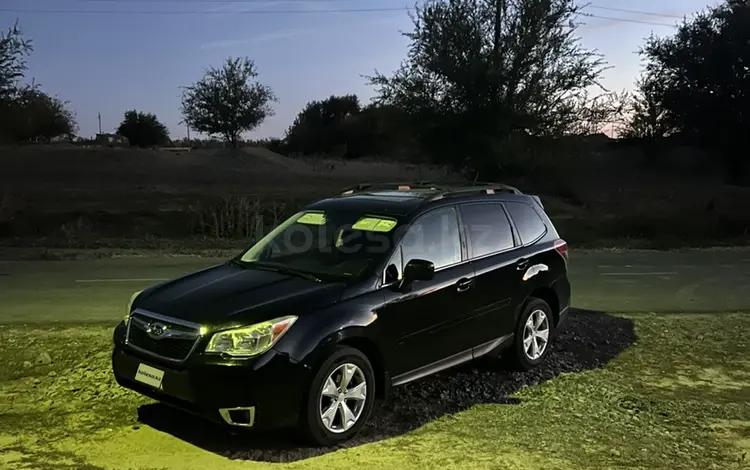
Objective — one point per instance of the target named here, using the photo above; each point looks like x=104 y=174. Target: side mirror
x=417 y=270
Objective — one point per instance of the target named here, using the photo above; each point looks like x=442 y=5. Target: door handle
x=522 y=264
x=463 y=285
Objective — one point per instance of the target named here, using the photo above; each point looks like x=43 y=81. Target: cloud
x=260 y=38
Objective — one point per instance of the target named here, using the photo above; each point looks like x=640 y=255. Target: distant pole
x=188 y=131
x=100 y=123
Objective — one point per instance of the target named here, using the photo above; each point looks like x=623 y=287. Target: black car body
x=398 y=282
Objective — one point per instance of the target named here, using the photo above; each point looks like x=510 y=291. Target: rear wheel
x=533 y=335
x=340 y=397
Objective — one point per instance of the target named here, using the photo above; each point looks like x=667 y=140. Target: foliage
x=648 y=119
x=340 y=126
x=27 y=114
x=592 y=114
x=13 y=50
x=228 y=101
x=270 y=143
x=380 y=130
x=321 y=127
x=30 y=115
x=704 y=80
x=143 y=129
x=477 y=70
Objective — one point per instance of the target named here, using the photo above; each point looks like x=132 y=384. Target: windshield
x=337 y=245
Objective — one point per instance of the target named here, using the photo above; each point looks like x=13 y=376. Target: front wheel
x=340 y=398
x=533 y=335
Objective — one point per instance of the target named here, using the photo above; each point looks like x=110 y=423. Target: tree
x=143 y=129
x=13 y=50
x=27 y=114
x=705 y=80
x=30 y=115
x=477 y=70
x=592 y=114
x=647 y=117
x=228 y=101
x=321 y=126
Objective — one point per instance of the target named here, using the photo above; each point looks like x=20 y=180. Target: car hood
x=231 y=294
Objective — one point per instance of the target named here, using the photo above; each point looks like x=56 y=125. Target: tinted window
x=530 y=226
x=334 y=244
x=433 y=237
x=487 y=227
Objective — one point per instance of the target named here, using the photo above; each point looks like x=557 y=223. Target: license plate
x=149 y=375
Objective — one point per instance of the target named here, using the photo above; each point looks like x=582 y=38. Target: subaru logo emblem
x=156 y=330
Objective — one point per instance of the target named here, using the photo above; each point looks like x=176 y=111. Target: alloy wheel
x=536 y=335
x=343 y=398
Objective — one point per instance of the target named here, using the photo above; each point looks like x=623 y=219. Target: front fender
x=314 y=335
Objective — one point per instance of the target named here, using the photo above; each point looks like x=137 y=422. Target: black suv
x=376 y=287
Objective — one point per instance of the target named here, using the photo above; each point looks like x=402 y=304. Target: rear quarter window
x=488 y=229
x=530 y=226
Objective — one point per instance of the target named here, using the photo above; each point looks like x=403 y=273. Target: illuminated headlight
x=250 y=341
x=130 y=307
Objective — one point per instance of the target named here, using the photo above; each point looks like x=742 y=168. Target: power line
x=296 y=12
x=263 y=12
x=628 y=20
x=635 y=12
x=200 y=12
x=208 y=2
x=219 y=2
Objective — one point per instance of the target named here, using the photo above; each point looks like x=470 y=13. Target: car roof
x=377 y=203
x=404 y=199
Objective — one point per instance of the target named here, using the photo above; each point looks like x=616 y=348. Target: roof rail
x=397 y=186
x=477 y=189
x=441 y=188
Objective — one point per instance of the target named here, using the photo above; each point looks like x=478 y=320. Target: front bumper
x=266 y=392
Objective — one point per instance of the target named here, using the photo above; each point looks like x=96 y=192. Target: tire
x=320 y=397
x=522 y=355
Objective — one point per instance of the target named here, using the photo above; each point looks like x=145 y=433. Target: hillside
x=73 y=196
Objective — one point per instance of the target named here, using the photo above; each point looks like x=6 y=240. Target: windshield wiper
x=284 y=270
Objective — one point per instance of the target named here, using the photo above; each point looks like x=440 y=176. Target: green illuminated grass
x=679 y=398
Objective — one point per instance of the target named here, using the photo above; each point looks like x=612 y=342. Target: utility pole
x=499 y=13
x=100 y=123
x=496 y=45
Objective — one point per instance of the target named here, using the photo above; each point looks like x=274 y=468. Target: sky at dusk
x=110 y=56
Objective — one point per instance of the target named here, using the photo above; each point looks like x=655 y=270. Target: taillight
x=561 y=246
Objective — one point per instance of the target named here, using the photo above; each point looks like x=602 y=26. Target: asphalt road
x=616 y=282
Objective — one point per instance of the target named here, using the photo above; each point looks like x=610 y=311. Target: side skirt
x=454 y=360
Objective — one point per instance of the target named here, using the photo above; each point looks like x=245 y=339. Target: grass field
x=659 y=377
x=677 y=399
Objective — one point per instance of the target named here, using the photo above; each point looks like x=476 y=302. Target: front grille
x=161 y=336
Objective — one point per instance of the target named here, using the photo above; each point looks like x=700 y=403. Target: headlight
x=130 y=307
x=250 y=341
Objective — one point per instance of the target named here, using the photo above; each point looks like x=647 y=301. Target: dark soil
x=589 y=341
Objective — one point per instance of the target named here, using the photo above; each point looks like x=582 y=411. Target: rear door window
x=487 y=228
x=528 y=223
